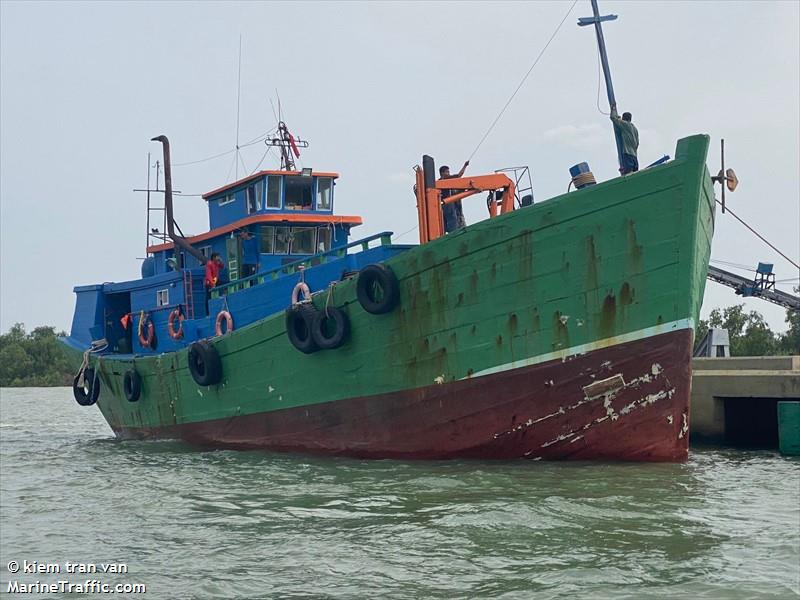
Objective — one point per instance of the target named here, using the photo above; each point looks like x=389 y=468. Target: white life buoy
x=301 y=288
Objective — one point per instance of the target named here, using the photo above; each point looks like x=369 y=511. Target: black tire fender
x=204 y=363
x=89 y=392
x=299 y=327
x=330 y=328
x=132 y=385
x=377 y=289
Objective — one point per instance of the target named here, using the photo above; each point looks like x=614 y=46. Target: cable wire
x=194 y=162
x=255 y=140
x=521 y=83
x=397 y=237
x=761 y=237
x=263 y=156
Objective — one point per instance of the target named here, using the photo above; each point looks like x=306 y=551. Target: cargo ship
x=560 y=329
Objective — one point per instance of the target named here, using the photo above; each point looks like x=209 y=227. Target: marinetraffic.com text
x=27 y=568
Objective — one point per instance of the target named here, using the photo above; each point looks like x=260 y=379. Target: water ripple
x=193 y=523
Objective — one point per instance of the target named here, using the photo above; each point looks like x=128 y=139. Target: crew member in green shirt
x=630 y=141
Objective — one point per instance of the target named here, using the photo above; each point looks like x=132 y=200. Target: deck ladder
x=188 y=294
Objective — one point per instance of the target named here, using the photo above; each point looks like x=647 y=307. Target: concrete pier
x=734 y=400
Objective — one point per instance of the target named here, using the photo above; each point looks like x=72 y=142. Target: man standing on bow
x=630 y=141
x=453 y=212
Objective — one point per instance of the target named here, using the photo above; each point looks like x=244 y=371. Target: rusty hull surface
x=627 y=402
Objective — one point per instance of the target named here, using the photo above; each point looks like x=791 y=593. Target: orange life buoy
x=173 y=333
x=303 y=288
x=224 y=314
x=147 y=331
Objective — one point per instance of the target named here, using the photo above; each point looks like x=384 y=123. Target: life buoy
x=147 y=331
x=86 y=394
x=223 y=314
x=330 y=328
x=301 y=288
x=132 y=385
x=204 y=363
x=173 y=333
x=299 y=322
x=377 y=289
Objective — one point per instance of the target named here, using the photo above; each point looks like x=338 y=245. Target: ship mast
x=597 y=21
x=288 y=144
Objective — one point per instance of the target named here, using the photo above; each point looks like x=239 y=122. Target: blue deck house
x=272 y=229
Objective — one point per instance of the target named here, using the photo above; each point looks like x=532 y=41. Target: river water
x=191 y=523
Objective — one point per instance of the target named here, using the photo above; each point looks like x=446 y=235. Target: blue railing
x=385 y=238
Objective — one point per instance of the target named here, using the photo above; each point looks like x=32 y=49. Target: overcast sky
x=373 y=86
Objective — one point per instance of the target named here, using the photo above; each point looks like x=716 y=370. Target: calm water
x=223 y=524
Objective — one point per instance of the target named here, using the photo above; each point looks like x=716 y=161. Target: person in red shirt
x=213 y=267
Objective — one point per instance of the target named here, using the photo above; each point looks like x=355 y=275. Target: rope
x=600 y=110
x=329 y=298
x=583 y=179
x=140 y=328
x=535 y=62
x=761 y=237
x=96 y=346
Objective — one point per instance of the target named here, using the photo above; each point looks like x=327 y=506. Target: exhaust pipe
x=177 y=239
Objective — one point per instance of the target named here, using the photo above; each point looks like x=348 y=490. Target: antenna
x=238 y=104
x=155 y=206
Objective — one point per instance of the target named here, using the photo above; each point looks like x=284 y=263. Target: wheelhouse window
x=324 y=188
x=274 y=187
x=323 y=239
x=303 y=239
x=162 y=297
x=267 y=239
x=298 y=192
x=254 y=197
x=226 y=199
x=282 y=238
x=205 y=251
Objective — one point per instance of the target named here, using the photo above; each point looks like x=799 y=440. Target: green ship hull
x=559 y=330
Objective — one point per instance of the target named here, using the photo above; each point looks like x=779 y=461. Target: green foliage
x=35 y=359
x=749 y=333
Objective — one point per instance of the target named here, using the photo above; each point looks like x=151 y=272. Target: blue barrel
x=578 y=169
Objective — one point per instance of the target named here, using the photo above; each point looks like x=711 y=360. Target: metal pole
x=601 y=44
x=597 y=20
x=722 y=172
x=147 y=230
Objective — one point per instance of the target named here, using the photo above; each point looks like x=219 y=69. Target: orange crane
x=429 y=196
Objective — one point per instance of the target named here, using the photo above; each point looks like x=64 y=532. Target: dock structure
x=735 y=401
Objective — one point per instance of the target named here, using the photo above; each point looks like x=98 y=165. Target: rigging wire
x=194 y=162
x=255 y=140
x=733 y=264
x=228 y=176
x=521 y=83
x=263 y=156
x=397 y=237
x=761 y=237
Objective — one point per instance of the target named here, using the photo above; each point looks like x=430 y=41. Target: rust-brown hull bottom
x=626 y=402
